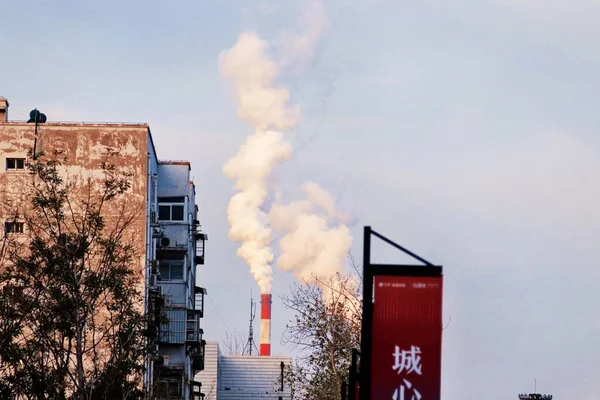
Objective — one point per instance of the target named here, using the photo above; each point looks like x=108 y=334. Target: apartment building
x=166 y=232
x=179 y=250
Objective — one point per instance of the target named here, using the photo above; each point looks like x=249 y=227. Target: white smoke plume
x=300 y=48
x=262 y=104
x=251 y=168
x=266 y=107
x=315 y=239
x=253 y=73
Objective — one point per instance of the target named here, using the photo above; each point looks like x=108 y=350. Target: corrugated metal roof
x=242 y=377
x=252 y=377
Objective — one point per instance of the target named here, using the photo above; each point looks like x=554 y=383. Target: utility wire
x=219 y=314
x=19 y=111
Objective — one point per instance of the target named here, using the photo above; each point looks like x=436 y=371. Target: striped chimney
x=265 y=324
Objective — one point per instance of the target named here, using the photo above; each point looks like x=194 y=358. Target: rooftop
x=78 y=123
x=174 y=162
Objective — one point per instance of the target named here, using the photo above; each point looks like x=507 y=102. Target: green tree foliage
x=325 y=329
x=71 y=313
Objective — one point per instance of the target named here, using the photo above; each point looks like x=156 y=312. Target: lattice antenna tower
x=251 y=344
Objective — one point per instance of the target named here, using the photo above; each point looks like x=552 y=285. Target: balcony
x=199 y=293
x=197 y=355
x=169 y=387
x=196 y=390
x=173 y=329
x=181 y=326
x=200 y=239
x=156 y=303
x=193 y=332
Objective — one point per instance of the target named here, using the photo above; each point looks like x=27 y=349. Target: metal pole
x=404 y=250
x=353 y=375
x=344 y=390
x=37 y=113
x=365 y=342
x=282 y=365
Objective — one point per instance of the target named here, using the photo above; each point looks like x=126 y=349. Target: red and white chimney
x=265 y=324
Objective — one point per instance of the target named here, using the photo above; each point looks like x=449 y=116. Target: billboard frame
x=370 y=270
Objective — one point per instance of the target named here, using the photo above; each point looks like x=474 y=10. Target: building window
x=171 y=209
x=171 y=212
x=15 y=164
x=14 y=227
x=171 y=270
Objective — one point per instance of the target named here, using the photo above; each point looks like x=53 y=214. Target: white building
x=180 y=249
x=243 y=377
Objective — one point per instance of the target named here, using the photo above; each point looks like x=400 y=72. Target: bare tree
x=71 y=317
x=234 y=343
x=210 y=392
x=325 y=329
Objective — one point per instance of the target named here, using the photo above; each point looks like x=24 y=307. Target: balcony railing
x=181 y=326
x=200 y=239
x=173 y=330
x=197 y=355
x=199 y=293
x=193 y=332
x=196 y=388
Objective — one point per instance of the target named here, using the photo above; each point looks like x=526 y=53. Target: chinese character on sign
x=403 y=394
x=407 y=360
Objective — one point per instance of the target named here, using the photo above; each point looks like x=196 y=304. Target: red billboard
x=406 y=351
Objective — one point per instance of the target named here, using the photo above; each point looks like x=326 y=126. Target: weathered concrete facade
x=84 y=148
x=154 y=184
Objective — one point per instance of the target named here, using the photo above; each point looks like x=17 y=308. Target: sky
x=463 y=130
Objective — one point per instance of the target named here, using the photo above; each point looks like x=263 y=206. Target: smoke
x=300 y=48
x=315 y=239
x=345 y=290
x=251 y=168
x=263 y=105
x=253 y=73
x=309 y=224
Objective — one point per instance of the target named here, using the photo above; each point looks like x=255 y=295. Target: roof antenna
x=38 y=118
x=251 y=344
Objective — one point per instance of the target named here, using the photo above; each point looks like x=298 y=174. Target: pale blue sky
x=466 y=131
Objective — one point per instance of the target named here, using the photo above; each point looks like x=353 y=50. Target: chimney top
x=3 y=109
